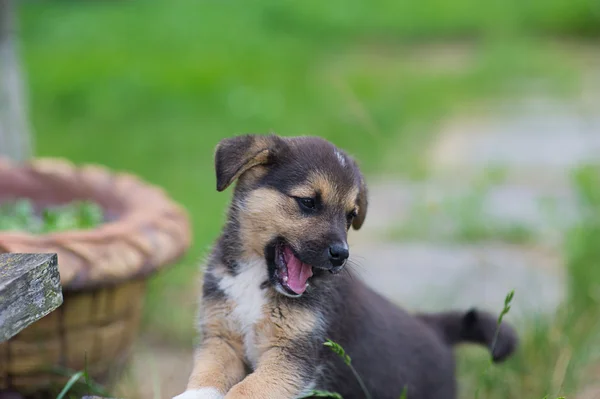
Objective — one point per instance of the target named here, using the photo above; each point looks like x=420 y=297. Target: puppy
x=276 y=288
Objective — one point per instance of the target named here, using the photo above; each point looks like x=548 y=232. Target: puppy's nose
x=338 y=253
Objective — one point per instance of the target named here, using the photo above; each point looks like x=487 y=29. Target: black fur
x=390 y=348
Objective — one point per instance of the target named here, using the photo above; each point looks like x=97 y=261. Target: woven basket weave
x=103 y=271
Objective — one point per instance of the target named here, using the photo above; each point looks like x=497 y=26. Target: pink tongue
x=298 y=272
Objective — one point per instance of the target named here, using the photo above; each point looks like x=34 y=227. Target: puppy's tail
x=474 y=326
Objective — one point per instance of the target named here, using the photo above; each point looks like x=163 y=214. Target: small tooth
x=285 y=278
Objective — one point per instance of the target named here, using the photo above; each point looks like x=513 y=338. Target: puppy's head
x=295 y=200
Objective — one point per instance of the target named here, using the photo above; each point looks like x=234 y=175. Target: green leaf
x=50 y=219
x=507 y=303
x=404 y=393
x=20 y=215
x=315 y=393
x=338 y=350
x=72 y=381
x=90 y=215
x=23 y=211
x=86 y=375
x=91 y=386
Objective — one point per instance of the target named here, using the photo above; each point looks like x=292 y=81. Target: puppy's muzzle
x=338 y=253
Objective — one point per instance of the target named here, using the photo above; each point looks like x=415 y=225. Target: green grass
x=459 y=218
x=151 y=87
x=556 y=356
x=79 y=384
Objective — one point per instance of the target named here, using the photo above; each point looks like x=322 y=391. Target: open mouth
x=291 y=273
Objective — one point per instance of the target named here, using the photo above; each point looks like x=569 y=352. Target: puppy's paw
x=202 y=393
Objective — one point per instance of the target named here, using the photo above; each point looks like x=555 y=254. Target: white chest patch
x=249 y=299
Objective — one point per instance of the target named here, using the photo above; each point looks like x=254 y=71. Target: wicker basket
x=103 y=271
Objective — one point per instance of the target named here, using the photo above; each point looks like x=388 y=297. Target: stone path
x=535 y=145
x=539 y=143
x=432 y=277
x=543 y=211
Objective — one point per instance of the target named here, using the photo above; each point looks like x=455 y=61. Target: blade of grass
x=505 y=310
x=507 y=303
x=338 y=350
x=72 y=381
x=93 y=386
x=322 y=394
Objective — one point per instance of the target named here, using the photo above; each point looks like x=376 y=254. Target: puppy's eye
x=351 y=215
x=308 y=203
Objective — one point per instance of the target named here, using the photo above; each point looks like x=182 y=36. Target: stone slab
x=540 y=141
x=545 y=211
x=429 y=276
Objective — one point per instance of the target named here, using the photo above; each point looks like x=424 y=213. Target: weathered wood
x=29 y=290
x=15 y=137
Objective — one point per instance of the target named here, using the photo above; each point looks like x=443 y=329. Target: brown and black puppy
x=276 y=288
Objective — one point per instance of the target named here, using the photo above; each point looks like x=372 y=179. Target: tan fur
x=282 y=324
x=218 y=362
x=350 y=200
x=276 y=375
x=255 y=152
x=253 y=175
x=263 y=214
x=275 y=378
x=330 y=194
x=362 y=202
x=323 y=185
x=267 y=214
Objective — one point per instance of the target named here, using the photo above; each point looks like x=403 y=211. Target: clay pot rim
x=150 y=231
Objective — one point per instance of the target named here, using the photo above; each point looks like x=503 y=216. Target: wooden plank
x=29 y=290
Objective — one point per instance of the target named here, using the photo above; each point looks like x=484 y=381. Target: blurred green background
x=151 y=87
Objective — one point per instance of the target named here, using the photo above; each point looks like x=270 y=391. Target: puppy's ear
x=363 y=204
x=235 y=155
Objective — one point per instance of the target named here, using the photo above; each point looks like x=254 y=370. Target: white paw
x=202 y=393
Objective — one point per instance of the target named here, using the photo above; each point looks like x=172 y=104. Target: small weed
x=555 y=355
x=338 y=350
x=505 y=310
x=322 y=394
x=80 y=383
x=72 y=381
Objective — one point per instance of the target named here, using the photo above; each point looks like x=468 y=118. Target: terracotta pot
x=103 y=270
